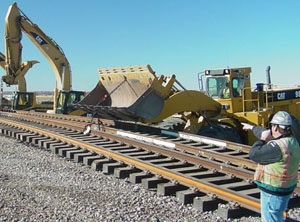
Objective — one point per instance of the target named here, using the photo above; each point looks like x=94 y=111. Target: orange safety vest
x=281 y=174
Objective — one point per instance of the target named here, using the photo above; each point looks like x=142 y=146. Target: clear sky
x=173 y=36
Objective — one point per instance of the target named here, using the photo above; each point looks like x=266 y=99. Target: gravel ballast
x=37 y=185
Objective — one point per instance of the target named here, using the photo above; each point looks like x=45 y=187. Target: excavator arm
x=12 y=62
x=17 y=22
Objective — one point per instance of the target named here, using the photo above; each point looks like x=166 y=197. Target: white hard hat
x=282 y=118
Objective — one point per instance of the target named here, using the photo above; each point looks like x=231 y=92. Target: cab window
x=61 y=100
x=215 y=85
x=237 y=86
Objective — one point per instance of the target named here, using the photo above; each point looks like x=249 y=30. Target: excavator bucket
x=125 y=93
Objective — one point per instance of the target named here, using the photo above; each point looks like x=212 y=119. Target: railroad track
x=210 y=174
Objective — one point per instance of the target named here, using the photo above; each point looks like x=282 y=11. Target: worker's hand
x=266 y=135
x=247 y=126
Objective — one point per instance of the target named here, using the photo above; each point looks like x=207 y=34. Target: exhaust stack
x=268 y=77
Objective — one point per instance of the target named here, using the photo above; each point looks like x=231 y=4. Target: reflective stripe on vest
x=281 y=174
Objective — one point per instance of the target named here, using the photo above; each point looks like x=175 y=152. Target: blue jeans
x=272 y=206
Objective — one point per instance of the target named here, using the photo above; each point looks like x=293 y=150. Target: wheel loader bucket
x=135 y=94
x=125 y=93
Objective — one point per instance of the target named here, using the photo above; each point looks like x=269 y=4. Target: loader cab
x=66 y=99
x=228 y=86
x=218 y=87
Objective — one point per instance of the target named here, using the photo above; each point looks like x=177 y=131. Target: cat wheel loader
x=136 y=93
x=17 y=22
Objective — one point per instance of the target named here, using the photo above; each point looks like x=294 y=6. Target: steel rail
x=185 y=147
x=250 y=203
x=108 y=123
x=211 y=154
x=225 y=167
x=229 y=159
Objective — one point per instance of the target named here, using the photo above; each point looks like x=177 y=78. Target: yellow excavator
x=136 y=94
x=17 y=22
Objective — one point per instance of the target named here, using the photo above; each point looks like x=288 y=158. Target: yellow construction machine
x=17 y=22
x=254 y=105
x=136 y=94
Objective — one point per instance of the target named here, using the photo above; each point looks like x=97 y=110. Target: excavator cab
x=65 y=101
x=27 y=101
x=23 y=101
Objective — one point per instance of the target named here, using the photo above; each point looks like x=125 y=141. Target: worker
x=225 y=94
x=277 y=153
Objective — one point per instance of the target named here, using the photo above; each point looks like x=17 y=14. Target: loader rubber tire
x=222 y=132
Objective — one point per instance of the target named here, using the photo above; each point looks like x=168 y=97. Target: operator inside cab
x=225 y=93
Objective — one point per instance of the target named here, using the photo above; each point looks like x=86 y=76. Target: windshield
x=75 y=97
x=215 y=86
x=25 y=99
x=61 y=100
x=238 y=84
